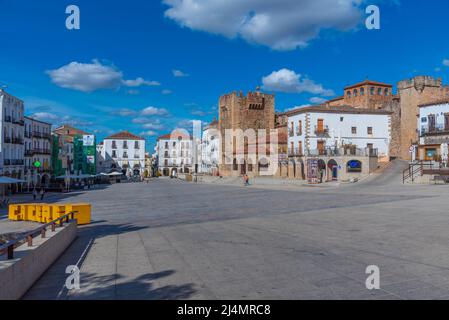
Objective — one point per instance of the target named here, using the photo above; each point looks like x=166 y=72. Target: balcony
x=340 y=152
x=17 y=141
x=7 y=139
x=291 y=132
x=42 y=151
x=19 y=122
x=13 y=162
x=440 y=129
x=136 y=156
x=125 y=156
x=296 y=152
x=28 y=134
x=8 y=119
x=29 y=153
x=321 y=131
x=37 y=134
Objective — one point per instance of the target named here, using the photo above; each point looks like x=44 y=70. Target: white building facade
x=312 y=130
x=124 y=152
x=174 y=153
x=37 y=151
x=12 y=124
x=433 y=126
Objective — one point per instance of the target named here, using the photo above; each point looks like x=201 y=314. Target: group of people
x=41 y=193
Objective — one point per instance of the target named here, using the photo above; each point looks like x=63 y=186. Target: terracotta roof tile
x=124 y=135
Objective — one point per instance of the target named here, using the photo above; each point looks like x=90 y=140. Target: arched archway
x=332 y=167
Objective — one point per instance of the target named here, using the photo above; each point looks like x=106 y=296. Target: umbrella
x=8 y=180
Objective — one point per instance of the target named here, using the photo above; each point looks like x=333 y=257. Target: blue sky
x=151 y=66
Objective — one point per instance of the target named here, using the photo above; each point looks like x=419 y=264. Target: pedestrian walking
x=34 y=194
x=42 y=193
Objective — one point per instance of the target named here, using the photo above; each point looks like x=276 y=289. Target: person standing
x=42 y=193
x=34 y=194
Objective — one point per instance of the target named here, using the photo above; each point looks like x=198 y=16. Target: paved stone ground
x=176 y=240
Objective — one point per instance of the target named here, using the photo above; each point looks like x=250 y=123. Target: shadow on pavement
x=52 y=284
x=140 y=288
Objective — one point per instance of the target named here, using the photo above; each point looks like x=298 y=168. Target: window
x=136 y=144
x=114 y=145
x=386 y=92
x=125 y=144
x=114 y=154
x=174 y=143
x=348 y=94
x=362 y=91
x=299 y=128
x=354 y=130
x=370 y=130
x=354 y=166
x=371 y=90
x=166 y=145
x=341 y=119
x=379 y=91
x=355 y=93
x=423 y=119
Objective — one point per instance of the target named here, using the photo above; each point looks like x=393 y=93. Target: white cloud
x=124 y=112
x=156 y=125
x=44 y=116
x=140 y=82
x=179 y=74
x=149 y=133
x=317 y=100
x=153 y=111
x=279 y=24
x=133 y=92
x=288 y=81
x=89 y=77
x=446 y=62
x=166 y=91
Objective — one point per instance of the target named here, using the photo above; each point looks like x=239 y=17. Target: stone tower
x=414 y=92
x=236 y=111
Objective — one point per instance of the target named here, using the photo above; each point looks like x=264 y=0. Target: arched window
x=362 y=91
x=355 y=93
x=386 y=92
x=379 y=91
x=354 y=166
x=372 y=91
x=348 y=94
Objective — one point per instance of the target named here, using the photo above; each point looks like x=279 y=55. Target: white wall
x=131 y=151
x=175 y=156
x=438 y=110
x=340 y=130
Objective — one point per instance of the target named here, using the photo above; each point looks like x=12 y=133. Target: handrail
x=28 y=236
x=413 y=169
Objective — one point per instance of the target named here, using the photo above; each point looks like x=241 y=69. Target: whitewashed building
x=124 y=152
x=12 y=129
x=210 y=148
x=313 y=130
x=433 y=124
x=37 y=151
x=174 y=153
x=336 y=143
